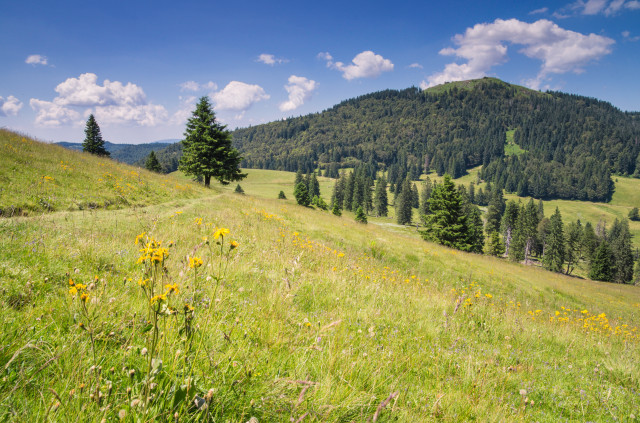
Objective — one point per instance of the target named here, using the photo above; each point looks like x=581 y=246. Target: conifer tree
x=475 y=229
x=337 y=196
x=495 y=211
x=299 y=178
x=336 y=210
x=93 y=142
x=554 y=250
x=302 y=195
x=348 y=191
x=314 y=186
x=281 y=196
x=403 y=204
x=368 y=195
x=589 y=241
x=509 y=221
x=447 y=223
x=427 y=188
x=360 y=215
x=620 y=243
x=381 y=204
x=495 y=247
x=415 y=197
x=206 y=149
x=601 y=264
x=634 y=214
x=239 y=189
x=572 y=246
x=152 y=163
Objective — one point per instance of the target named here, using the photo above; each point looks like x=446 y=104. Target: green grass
x=39 y=177
x=510 y=147
x=312 y=318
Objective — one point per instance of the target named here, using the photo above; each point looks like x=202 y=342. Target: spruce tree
x=495 y=247
x=348 y=191
x=152 y=163
x=589 y=241
x=302 y=195
x=415 y=197
x=314 y=186
x=621 y=248
x=447 y=223
x=360 y=215
x=509 y=221
x=554 y=250
x=495 y=211
x=239 y=189
x=601 y=264
x=281 y=196
x=299 y=178
x=572 y=245
x=206 y=149
x=475 y=229
x=336 y=209
x=634 y=215
x=381 y=203
x=403 y=204
x=93 y=142
x=427 y=187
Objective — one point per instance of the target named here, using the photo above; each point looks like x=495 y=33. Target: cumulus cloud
x=187 y=106
x=238 y=96
x=111 y=102
x=36 y=59
x=415 y=66
x=365 y=65
x=484 y=46
x=270 y=59
x=300 y=90
x=194 y=86
x=9 y=106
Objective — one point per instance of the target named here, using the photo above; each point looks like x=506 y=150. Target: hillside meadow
x=227 y=307
x=37 y=177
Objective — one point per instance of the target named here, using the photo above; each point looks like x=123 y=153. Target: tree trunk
x=207 y=181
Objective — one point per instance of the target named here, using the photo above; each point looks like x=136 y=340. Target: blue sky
x=140 y=66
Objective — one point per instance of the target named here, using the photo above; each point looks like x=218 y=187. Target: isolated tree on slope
x=206 y=150
x=93 y=142
x=381 y=202
x=152 y=163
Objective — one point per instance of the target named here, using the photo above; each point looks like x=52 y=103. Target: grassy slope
x=357 y=311
x=37 y=177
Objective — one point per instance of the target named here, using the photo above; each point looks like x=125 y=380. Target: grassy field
x=39 y=177
x=229 y=307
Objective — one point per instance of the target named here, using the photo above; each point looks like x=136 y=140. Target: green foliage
x=554 y=250
x=152 y=163
x=336 y=210
x=620 y=242
x=403 y=203
x=509 y=222
x=361 y=217
x=301 y=194
x=634 y=215
x=319 y=203
x=207 y=150
x=281 y=195
x=602 y=263
x=573 y=247
x=239 y=189
x=494 y=212
x=381 y=203
x=93 y=142
x=448 y=223
x=495 y=247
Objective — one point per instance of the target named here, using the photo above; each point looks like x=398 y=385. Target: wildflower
x=233 y=245
x=198 y=221
x=488 y=295
x=84 y=297
x=139 y=238
x=159 y=299
x=171 y=289
x=73 y=291
x=220 y=232
x=195 y=262
x=143 y=283
x=187 y=308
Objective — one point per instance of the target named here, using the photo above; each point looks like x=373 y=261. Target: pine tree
x=572 y=246
x=302 y=195
x=239 y=189
x=336 y=210
x=281 y=196
x=93 y=142
x=634 y=215
x=495 y=247
x=621 y=248
x=601 y=264
x=509 y=221
x=403 y=204
x=381 y=203
x=475 y=229
x=427 y=188
x=415 y=197
x=337 y=196
x=299 y=178
x=447 y=223
x=206 y=149
x=152 y=163
x=348 y=191
x=314 y=186
x=589 y=241
x=495 y=211
x=360 y=215
x=553 y=258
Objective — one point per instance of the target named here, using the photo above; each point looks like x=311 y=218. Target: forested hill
x=560 y=145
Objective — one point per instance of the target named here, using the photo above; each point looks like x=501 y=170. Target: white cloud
x=627 y=36
x=270 y=59
x=50 y=113
x=187 y=106
x=36 y=59
x=365 y=65
x=111 y=102
x=194 y=86
x=9 y=106
x=484 y=46
x=596 y=7
x=416 y=66
x=539 y=11
x=300 y=90
x=238 y=96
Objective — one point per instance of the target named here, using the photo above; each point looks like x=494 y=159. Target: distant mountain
x=127 y=153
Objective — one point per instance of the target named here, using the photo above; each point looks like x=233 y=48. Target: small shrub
x=281 y=196
x=239 y=189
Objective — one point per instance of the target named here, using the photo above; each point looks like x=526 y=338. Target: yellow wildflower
x=187 y=308
x=143 y=282
x=84 y=297
x=139 y=238
x=488 y=295
x=171 y=288
x=73 y=291
x=195 y=262
x=220 y=232
x=233 y=245
x=159 y=299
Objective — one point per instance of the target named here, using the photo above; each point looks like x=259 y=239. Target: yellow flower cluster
x=78 y=288
x=195 y=262
x=594 y=323
x=153 y=252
